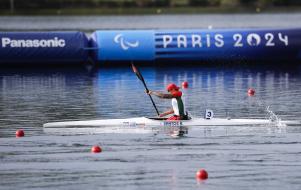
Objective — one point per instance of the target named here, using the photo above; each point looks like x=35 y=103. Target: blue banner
x=246 y=44
x=125 y=45
x=43 y=47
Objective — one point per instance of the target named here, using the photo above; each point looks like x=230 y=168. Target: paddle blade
x=136 y=71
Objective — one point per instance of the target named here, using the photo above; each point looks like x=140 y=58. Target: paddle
x=140 y=77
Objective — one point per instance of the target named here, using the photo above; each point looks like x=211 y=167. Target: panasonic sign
x=33 y=43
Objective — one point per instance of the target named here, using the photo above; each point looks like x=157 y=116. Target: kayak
x=144 y=122
x=145 y=125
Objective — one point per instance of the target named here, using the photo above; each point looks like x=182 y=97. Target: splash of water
x=275 y=120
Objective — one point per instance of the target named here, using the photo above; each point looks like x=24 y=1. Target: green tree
x=230 y=3
x=199 y=3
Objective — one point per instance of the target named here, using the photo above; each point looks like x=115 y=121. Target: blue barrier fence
x=151 y=45
x=198 y=45
x=43 y=47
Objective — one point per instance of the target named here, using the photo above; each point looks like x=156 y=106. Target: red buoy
x=19 y=133
x=96 y=149
x=251 y=92
x=185 y=84
x=202 y=174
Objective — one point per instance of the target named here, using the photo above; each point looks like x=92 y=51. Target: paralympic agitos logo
x=125 y=44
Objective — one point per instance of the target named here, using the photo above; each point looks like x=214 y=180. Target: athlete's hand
x=162 y=115
x=148 y=92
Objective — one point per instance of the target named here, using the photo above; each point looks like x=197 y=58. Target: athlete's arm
x=166 y=113
x=160 y=94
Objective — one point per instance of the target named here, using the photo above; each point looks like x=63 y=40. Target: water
x=250 y=157
x=235 y=157
x=91 y=23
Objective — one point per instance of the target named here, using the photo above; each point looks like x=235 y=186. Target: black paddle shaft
x=137 y=72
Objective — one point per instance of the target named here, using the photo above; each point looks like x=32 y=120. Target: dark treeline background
x=14 y=5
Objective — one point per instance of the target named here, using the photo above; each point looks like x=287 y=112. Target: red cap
x=172 y=86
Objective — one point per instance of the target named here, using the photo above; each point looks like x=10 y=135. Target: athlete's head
x=171 y=88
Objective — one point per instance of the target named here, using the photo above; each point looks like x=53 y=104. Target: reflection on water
x=30 y=98
x=235 y=157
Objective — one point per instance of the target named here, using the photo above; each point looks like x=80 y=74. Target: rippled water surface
x=90 y=23
x=235 y=157
x=250 y=157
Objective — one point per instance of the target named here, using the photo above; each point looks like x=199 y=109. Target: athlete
x=175 y=95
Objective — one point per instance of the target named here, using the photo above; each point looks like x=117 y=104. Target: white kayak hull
x=142 y=125
x=142 y=122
